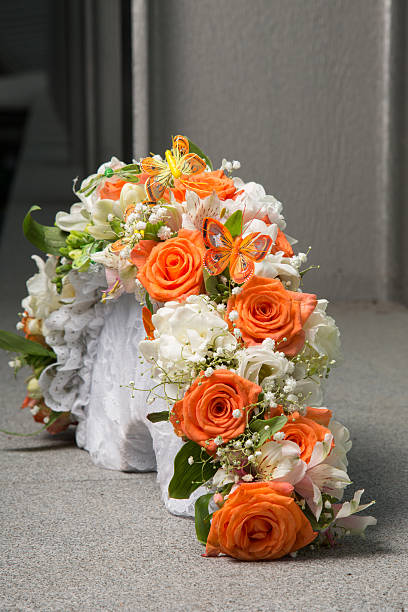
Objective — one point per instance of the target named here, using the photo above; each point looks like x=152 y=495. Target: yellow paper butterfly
x=178 y=162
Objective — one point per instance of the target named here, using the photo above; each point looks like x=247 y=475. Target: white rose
x=278 y=266
x=185 y=333
x=322 y=332
x=254 y=203
x=253 y=358
x=257 y=225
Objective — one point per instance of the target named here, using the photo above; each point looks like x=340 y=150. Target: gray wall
x=309 y=96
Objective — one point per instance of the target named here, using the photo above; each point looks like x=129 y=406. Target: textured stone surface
x=76 y=537
x=300 y=93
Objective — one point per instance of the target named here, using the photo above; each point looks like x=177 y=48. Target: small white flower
x=249 y=443
x=111 y=217
x=164 y=233
x=267 y=427
x=236 y=413
x=251 y=458
x=237 y=332
x=209 y=372
x=190 y=460
x=236 y=164
x=46 y=420
x=221 y=307
x=327 y=504
x=290 y=384
x=19 y=326
x=237 y=444
x=258 y=453
x=279 y=436
x=236 y=290
x=220 y=350
x=233 y=315
x=35 y=410
x=140 y=225
x=218 y=440
x=269 y=396
x=247 y=478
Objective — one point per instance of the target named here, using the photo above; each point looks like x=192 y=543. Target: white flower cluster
x=187 y=336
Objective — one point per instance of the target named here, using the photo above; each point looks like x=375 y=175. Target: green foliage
x=47 y=239
x=148 y=303
x=234 y=223
x=151 y=229
x=156 y=417
x=187 y=478
x=273 y=425
x=17 y=344
x=195 y=149
x=202 y=518
x=211 y=283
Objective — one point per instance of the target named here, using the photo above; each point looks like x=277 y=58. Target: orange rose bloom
x=267 y=310
x=174 y=269
x=305 y=431
x=259 y=520
x=110 y=190
x=205 y=411
x=203 y=184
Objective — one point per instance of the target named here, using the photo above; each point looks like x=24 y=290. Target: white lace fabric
x=97 y=356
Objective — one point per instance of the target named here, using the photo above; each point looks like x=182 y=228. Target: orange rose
x=174 y=270
x=259 y=520
x=204 y=184
x=206 y=410
x=110 y=190
x=267 y=310
x=305 y=431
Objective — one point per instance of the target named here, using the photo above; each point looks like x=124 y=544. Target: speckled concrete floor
x=76 y=537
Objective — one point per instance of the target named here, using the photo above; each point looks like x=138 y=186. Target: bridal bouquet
x=238 y=352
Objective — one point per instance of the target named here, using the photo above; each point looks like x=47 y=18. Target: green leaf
x=156 y=417
x=210 y=283
x=195 y=149
x=234 y=223
x=273 y=426
x=47 y=239
x=202 y=518
x=187 y=478
x=148 y=303
x=17 y=344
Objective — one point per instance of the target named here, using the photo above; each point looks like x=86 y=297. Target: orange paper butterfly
x=178 y=162
x=240 y=253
